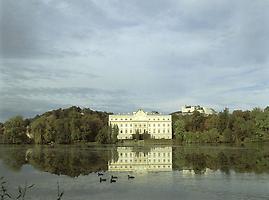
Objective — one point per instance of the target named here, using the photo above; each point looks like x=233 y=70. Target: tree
x=145 y=135
x=223 y=120
x=38 y=128
x=103 y=135
x=114 y=134
x=211 y=122
x=197 y=121
x=228 y=136
x=62 y=132
x=15 y=130
x=1 y=128
x=136 y=136
x=108 y=135
x=179 y=129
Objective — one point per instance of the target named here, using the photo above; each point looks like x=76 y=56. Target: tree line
x=71 y=125
x=224 y=127
x=61 y=126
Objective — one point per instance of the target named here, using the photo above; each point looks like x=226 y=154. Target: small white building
x=157 y=125
x=187 y=109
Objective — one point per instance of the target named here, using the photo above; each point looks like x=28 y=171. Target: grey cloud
x=16 y=72
x=25 y=107
x=122 y=55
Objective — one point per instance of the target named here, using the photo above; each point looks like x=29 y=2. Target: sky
x=121 y=55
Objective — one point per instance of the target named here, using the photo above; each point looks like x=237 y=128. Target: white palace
x=157 y=125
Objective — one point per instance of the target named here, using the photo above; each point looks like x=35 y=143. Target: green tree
x=108 y=135
x=15 y=130
x=38 y=128
x=1 y=133
x=114 y=134
x=197 y=121
x=211 y=122
x=179 y=129
x=62 y=132
x=1 y=128
x=223 y=120
x=228 y=136
x=103 y=135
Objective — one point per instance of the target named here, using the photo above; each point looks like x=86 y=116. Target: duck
x=100 y=174
x=130 y=177
x=112 y=180
x=114 y=177
x=102 y=179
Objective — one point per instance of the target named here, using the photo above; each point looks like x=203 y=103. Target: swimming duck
x=102 y=179
x=100 y=174
x=130 y=177
x=112 y=180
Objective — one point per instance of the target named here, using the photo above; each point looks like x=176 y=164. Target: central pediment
x=140 y=114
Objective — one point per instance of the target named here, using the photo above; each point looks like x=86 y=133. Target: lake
x=159 y=171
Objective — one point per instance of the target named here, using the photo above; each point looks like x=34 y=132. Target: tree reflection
x=69 y=161
x=225 y=159
x=74 y=161
x=13 y=157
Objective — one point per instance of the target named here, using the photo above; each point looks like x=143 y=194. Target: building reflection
x=151 y=160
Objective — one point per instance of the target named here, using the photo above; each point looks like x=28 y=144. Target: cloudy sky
x=120 y=55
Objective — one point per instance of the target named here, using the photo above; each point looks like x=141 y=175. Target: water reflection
x=132 y=159
x=74 y=161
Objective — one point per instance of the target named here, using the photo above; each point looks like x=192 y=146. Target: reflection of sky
x=159 y=186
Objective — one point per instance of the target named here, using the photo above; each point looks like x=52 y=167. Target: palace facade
x=157 y=125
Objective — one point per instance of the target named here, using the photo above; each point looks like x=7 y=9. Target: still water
x=160 y=172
